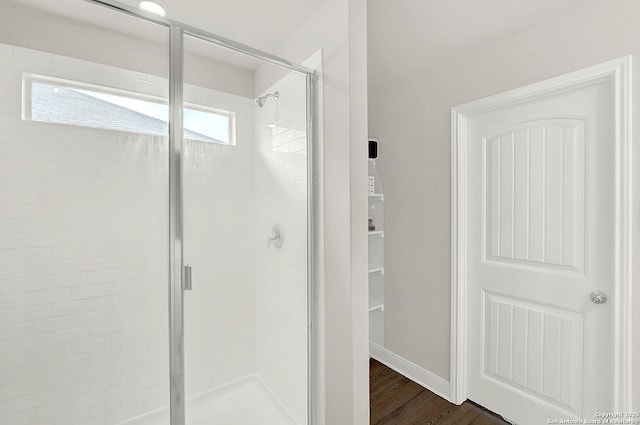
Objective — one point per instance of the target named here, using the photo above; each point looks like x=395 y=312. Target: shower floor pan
x=246 y=401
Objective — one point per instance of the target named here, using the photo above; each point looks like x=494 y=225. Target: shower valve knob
x=276 y=237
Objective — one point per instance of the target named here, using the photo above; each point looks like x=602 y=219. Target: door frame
x=618 y=71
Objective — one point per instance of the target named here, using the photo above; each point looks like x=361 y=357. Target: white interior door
x=540 y=226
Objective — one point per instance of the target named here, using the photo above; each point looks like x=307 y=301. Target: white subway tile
x=101 y=329
x=71 y=335
x=18 y=300
x=53 y=296
x=101 y=276
x=33 y=342
x=82 y=373
x=7 y=271
x=7 y=52
x=91 y=398
x=69 y=279
x=7 y=286
x=106 y=381
x=89 y=291
x=28 y=314
x=7 y=408
x=32 y=284
x=98 y=369
x=32 y=255
x=47 y=413
x=76 y=360
x=20 y=418
x=33 y=400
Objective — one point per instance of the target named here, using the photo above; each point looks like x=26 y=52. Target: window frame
x=28 y=79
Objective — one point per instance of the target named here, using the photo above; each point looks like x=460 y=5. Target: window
x=67 y=102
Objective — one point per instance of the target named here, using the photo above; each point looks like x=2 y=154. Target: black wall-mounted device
x=373 y=149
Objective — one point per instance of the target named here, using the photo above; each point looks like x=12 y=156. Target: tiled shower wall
x=83 y=212
x=219 y=231
x=281 y=278
x=83 y=259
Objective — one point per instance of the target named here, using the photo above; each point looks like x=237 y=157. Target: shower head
x=260 y=100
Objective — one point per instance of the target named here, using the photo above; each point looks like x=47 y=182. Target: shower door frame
x=177 y=31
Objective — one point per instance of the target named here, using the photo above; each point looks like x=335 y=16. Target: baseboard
x=420 y=376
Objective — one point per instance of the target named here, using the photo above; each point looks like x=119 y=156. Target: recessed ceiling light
x=152 y=7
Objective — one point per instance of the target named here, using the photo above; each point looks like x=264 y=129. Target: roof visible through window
x=58 y=103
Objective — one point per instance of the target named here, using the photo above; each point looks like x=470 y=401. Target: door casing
x=618 y=71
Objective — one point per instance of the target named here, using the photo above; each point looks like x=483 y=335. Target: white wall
x=412 y=120
x=359 y=206
x=338 y=29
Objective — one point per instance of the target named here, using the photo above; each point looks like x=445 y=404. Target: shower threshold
x=246 y=401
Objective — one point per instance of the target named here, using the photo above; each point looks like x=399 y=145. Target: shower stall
x=157 y=223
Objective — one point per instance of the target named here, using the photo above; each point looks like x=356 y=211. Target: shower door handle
x=186 y=278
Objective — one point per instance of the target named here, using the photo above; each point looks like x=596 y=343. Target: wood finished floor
x=396 y=400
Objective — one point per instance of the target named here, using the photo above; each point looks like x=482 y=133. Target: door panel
x=534 y=350
x=541 y=196
x=535 y=188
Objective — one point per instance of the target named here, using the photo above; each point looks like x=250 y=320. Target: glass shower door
x=83 y=217
x=245 y=239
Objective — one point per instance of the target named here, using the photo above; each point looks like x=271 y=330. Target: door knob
x=598 y=297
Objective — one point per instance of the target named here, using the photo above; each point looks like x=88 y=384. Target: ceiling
x=404 y=35
x=262 y=24
x=409 y=35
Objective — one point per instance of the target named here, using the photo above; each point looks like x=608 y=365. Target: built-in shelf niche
x=376 y=259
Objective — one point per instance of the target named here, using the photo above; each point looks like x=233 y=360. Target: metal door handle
x=598 y=297
x=186 y=278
